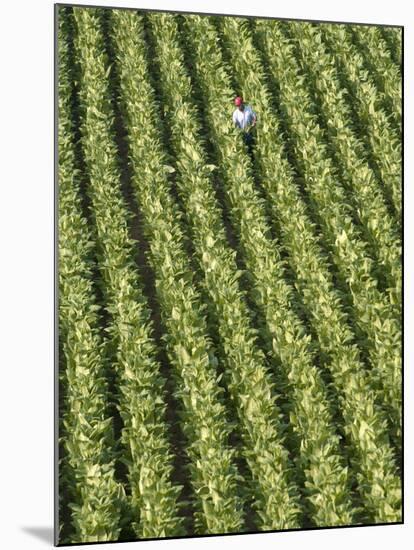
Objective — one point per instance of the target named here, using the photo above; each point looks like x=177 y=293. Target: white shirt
x=243 y=118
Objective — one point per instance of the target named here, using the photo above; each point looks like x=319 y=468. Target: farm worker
x=244 y=118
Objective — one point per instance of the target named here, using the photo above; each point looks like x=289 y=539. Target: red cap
x=238 y=101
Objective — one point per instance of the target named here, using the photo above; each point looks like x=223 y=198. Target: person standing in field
x=244 y=118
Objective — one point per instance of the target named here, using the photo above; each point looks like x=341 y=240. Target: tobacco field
x=229 y=321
